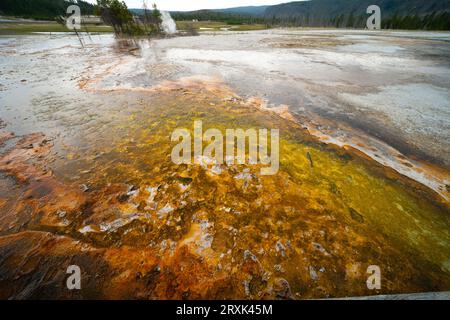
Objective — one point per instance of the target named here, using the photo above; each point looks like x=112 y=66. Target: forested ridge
x=396 y=14
x=42 y=9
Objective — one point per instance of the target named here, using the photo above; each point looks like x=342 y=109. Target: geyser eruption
x=168 y=24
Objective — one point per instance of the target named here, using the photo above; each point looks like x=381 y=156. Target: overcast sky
x=186 y=5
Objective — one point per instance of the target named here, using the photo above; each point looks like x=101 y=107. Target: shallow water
x=312 y=69
x=98 y=188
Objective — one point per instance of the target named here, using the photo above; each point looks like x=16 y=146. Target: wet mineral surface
x=86 y=179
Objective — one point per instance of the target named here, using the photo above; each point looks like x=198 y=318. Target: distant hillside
x=217 y=15
x=252 y=10
x=137 y=11
x=244 y=11
x=396 y=14
x=41 y=9
x=407 y=14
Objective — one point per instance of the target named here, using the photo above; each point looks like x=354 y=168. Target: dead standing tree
x=62 y=21
x=151 y=19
